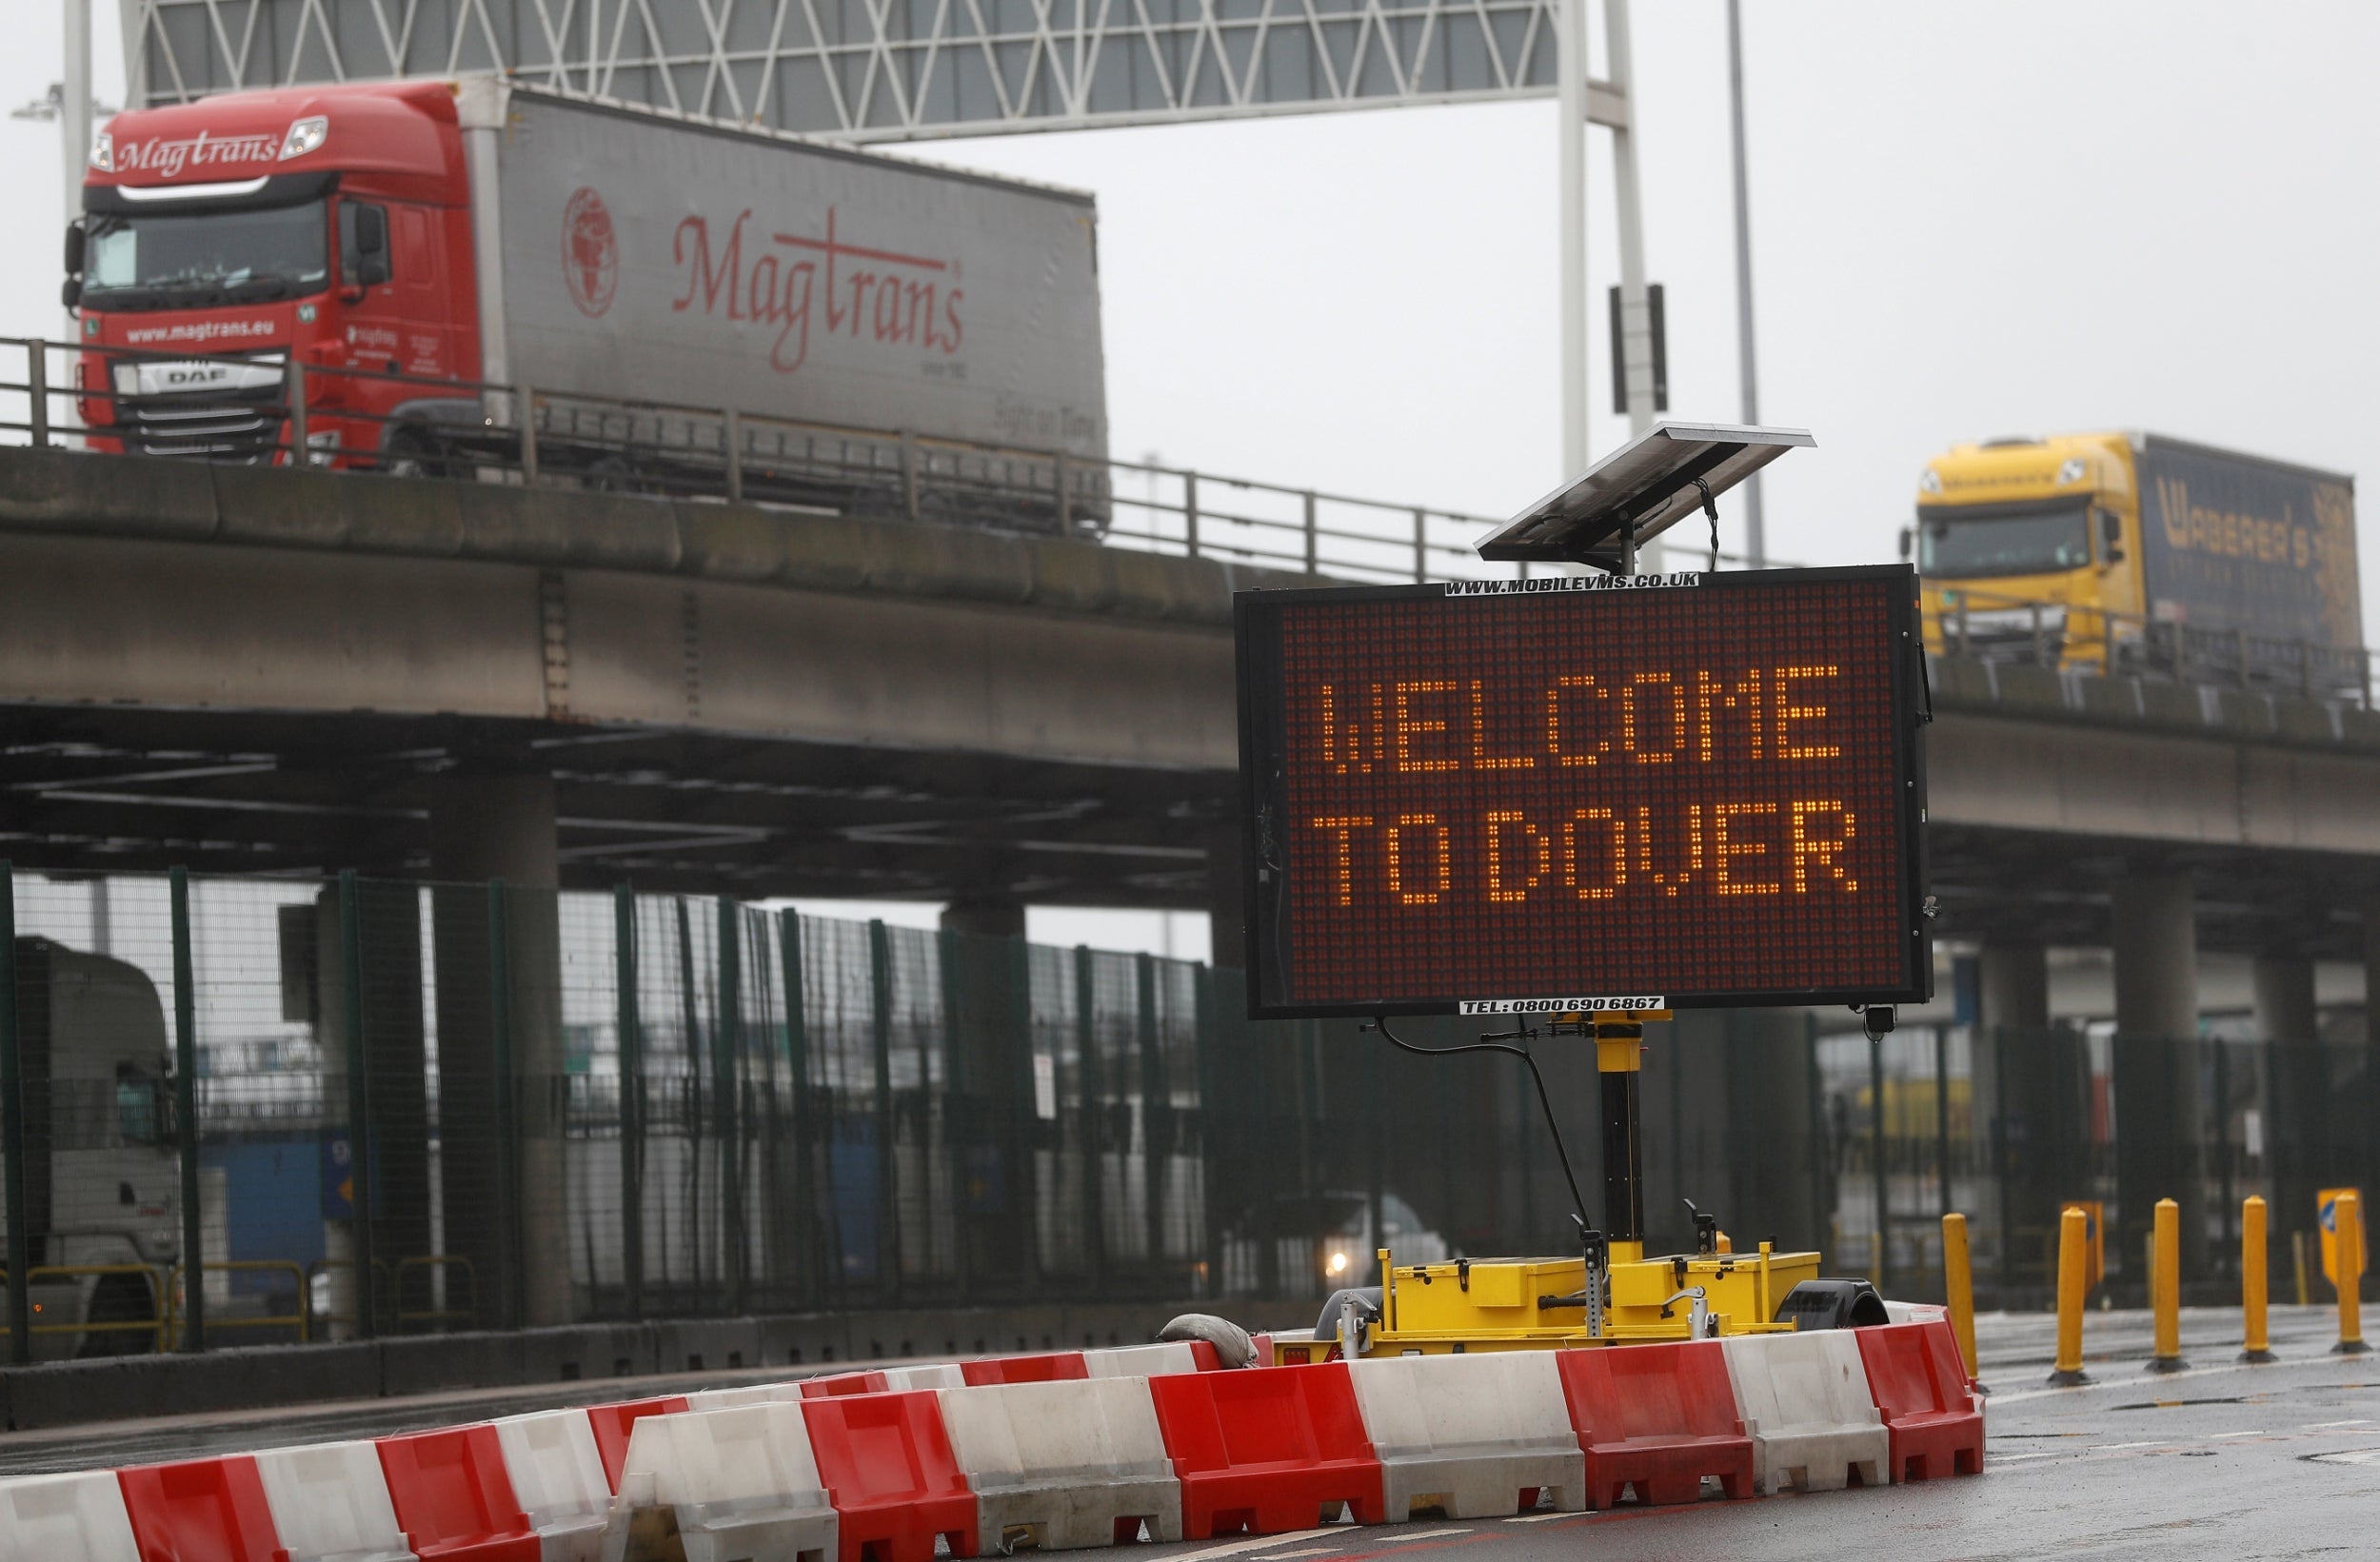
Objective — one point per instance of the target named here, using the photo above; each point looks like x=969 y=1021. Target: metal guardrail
x=159 y=1303
x=2008 y=629
x=178 y=1277
x=539 y=437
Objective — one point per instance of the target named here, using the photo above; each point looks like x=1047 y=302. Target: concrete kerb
x=124 y=496
x=427 y=1363
x=55 y=1394
x=1469 y=1433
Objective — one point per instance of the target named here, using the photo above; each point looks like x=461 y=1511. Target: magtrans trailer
x=2134 y=549
x=454 y=232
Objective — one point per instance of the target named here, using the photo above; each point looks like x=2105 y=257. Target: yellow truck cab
x=2083 y=550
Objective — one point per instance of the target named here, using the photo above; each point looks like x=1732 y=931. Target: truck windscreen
x=2003 y=540
x=190 y=260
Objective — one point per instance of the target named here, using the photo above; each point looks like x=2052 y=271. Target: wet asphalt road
x=2220 y=1461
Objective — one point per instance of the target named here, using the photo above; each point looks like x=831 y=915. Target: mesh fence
x=2009 y=1125
x=379 y=1107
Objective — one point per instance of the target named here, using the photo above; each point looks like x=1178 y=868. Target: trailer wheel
x=120 y=1298
x=412 y=452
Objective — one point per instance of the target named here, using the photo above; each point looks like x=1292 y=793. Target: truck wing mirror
x=74 y=248
x=1908 y=541
x=367 y=236
x=70 y=292
x=2112 y=535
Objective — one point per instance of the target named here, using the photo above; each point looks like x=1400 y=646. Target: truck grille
x=245 y=430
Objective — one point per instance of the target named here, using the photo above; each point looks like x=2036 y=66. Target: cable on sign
x=1710 y=509
x=1592 y=1241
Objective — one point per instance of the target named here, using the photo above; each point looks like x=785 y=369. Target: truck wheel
x=411 y=452
x=120 y=1298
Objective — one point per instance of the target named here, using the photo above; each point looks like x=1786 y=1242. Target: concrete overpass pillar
x=2159 y=1116
x=486 y=826
x=988 y=986
x=2297 y=1131
x=2032 y=1103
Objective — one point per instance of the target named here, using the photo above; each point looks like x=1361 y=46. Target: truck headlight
x=304 y=135
x=1338 y=1264
x=128 y=378
x=103 y=151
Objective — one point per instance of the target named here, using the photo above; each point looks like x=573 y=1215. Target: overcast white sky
x=1968 y=221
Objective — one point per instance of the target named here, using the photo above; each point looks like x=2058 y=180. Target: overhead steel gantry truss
x=885 y=70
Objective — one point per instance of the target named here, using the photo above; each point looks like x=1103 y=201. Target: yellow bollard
x=2073 y=1231
x=2348 y=1247
x=2256 y=1347
x=2165 y=1293
x=1959 y=1281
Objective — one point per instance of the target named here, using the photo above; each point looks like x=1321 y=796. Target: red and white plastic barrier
x=1477 y=1436
x=1072 y=1449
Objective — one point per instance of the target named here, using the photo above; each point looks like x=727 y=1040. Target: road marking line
x=2324 y=1426
x=1309 y=1551
x=1434 y=1534
x=1258 y=1543
x=1540 y=1518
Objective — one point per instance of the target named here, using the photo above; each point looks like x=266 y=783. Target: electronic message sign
x=1584 y=793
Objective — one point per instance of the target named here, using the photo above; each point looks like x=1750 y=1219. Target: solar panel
x=1655 y=481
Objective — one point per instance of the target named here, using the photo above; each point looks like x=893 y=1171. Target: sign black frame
x=1256 y=623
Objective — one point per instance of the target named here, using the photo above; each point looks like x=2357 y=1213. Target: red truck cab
x=330 y=226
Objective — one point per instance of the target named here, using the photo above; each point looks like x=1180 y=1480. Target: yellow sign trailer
x=1519 y=1304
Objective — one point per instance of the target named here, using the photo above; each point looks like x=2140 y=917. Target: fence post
x=631 y=1101
x=186 y=1114
x=1314 y=549
x=1156 y=1110
x=13 y=1132
x=1190 y=513
x=693 y=1027
x=524 y=419
x=1024 y=1109
x=888 y=1165
x=731 y=437
x=37 y=391
x=728 y=1077
x=1094 y=1117
x=359 y=1100
x=293 y=383
x=804 y=1133
x=1420 y=546
x=908 y=474
x=510 y=1280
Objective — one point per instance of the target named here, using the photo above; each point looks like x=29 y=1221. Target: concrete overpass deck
x=266 y=671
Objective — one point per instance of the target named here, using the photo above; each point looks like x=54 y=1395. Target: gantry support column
x=2158 y=1113
x=486 y=825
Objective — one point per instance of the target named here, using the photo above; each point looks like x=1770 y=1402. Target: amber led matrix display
x=1516 y=796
